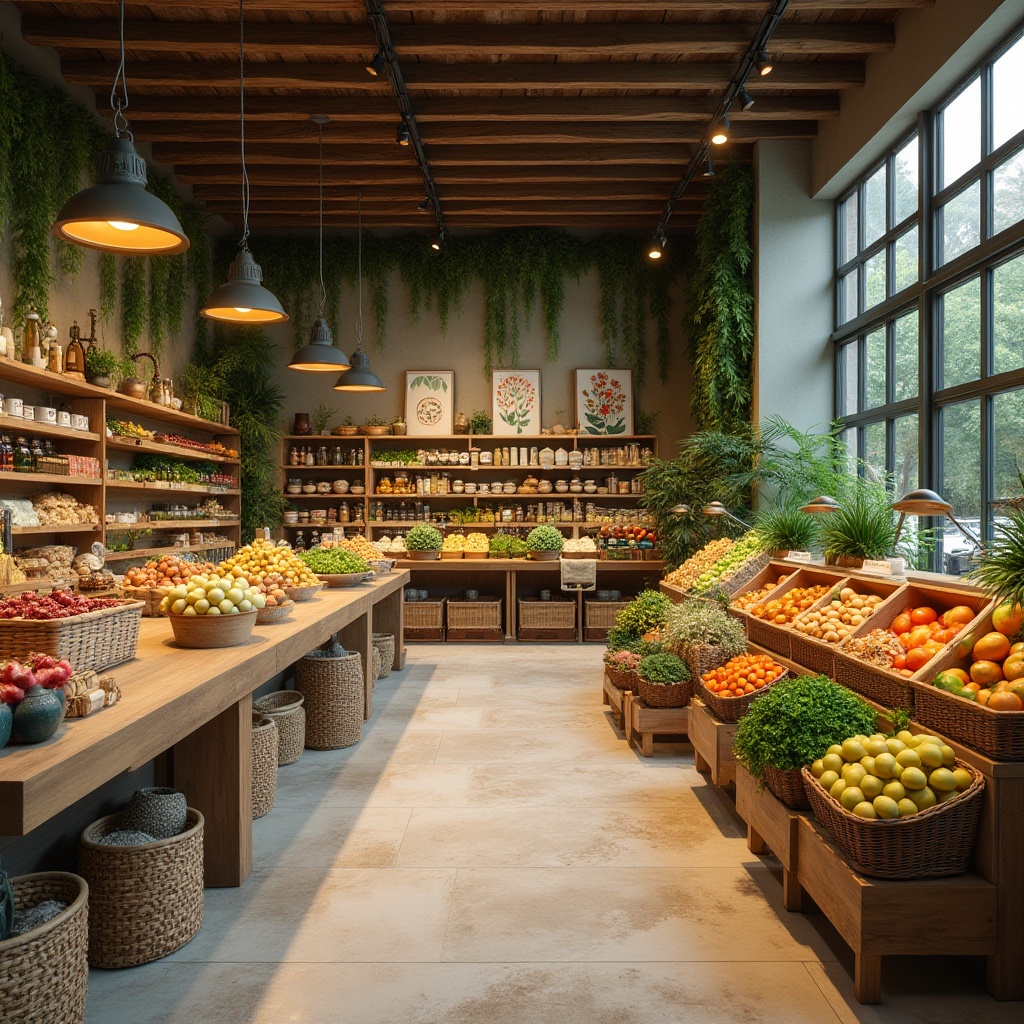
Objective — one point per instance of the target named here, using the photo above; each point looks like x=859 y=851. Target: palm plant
x=1001 y=566
x=860 y=529
x=783 y=527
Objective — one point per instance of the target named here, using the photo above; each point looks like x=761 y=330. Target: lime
x=865 y=810
x=850 y=797
x=885 y=807
x=912 y=779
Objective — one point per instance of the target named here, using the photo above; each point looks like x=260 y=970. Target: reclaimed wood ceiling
x=557 y=113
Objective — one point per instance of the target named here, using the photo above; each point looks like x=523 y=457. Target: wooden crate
x=599 y=617
x=712 y=743
x=547 y=620
x=478 y=620
x=615 y=700
x=644 y=723
x=424 y=620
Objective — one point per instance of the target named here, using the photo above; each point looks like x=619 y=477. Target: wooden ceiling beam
x=487 y=6
x=259 y=108
x=343 y=195
x=314 y=77
x=470 y=222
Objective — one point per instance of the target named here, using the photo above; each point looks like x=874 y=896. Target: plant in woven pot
x=544 y=543
x=702 y=634
x=783 y=528
x=424 y=542
x=621 y=667
x=665 y=681
x=865 y=528
x=646 y=612
x=794 y=724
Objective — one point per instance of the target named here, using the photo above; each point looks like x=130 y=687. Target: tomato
x=899 y=662
x=901 y=624
x=923 y=615
x=917 y=658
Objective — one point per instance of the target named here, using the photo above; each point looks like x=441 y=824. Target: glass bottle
x=293 y=456
x=300 y=541
x=310 y=460
x=315 y=539
x=6 y=454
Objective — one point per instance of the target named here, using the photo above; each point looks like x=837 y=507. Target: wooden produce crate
x=150 y=597
x=819 y=656
x=476 y=620
x=599 y=617
x=777 y=638
x=712 y=743
x=424 y=620
x=547 y=620
x=886 y=686
x=644 y=723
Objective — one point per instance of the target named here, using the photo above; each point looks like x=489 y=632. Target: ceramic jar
x=302 y=426
x=6 y=723
x=39 y=715
x=340 y=487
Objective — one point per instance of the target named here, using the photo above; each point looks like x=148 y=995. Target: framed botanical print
x=604 y=401
x=429 y=402
x=515 y=402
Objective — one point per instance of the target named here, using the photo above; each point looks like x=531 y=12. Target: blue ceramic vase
x=6 y=723
x=39 y=715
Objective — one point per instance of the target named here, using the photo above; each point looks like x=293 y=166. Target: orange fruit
x=973 y=687
x=959 y=615
x=1017 y=687
x=919 y=635
x=985 y=672
x=1004 y=701
x=1008 y=619
x=983 y=696
x=960 y=674
x=901 y=624
x=922 y=616
x=1017 y=648
x=945 y=636
x=917 y=658
x=991 y=647
x=1013 y=667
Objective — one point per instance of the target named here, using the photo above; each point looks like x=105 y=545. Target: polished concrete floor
x=491 y=852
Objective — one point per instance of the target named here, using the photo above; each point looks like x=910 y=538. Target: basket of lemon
x=211 y=611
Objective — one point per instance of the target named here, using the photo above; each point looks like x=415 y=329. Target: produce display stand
x=196 y=704
x=614 y=698
x=643 y=723
x=712 y=743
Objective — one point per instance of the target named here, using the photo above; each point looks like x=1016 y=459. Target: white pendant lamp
x=320 y=354
x=360 y=377
x=117 y=214
x=243 y=299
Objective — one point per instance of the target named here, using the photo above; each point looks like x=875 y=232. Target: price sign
x=879 y=566
x=798 y=556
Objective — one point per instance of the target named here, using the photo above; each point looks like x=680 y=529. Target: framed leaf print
x=604 y=401
x=429 y=402
x=515 y=402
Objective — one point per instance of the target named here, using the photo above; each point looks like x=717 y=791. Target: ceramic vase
x=39 y=715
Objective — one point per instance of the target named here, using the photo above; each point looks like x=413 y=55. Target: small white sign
x=798 y=556
x=881 y=567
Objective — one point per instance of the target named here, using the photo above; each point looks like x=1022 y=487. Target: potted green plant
x=864 y=528
x=398 y=427
x=100 y=367
x=201 y=389
x=347 y=428
x=703 y=634
x=322 y=416
x=480 y=422
x=424 y=542
x=376 y=427
x=665 y=681
x=1000 y=568
x=792 y=725
x=644 y=614
x=783 y=528
x=544 y=543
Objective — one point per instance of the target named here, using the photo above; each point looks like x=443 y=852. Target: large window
x=930 y=303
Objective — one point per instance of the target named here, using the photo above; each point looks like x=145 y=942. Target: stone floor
x=491 y=852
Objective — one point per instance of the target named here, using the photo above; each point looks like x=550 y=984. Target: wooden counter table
x=195 y=704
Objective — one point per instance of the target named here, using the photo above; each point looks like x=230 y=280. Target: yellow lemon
x=895 y=745
x=909 y=758
x=869 y=764
x=817 y=768
x=876 y=747
x=924 y=798
x=885 y=765
x=871 y=786
x=828 y=780
x=942 y=781
x=907 y=807
x=931 y=756
x=836 y=790
x=894 y=791
x=912 y=779
x=853 y=750
x=885 y=807
x=865 y=810
x=833 y=762
x=948 y=755
x=963 y=778
x=854 y=773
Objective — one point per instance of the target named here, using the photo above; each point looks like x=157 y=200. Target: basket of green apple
x=211 y=611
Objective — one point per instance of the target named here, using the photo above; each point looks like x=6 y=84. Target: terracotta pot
x=302 y=425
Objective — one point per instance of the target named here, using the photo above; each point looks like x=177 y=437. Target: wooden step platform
x=712 y=743
x=644 y=723
x=614 y=698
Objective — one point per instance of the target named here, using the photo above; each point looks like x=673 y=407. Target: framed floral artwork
x=429 y=402
x=604 y=401
x=515 y=402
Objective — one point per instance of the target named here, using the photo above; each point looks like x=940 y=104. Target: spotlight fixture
x=720 y=133
x=822 y=503
x=709 y=167
x=746 y=100
x=924 y=502
x=658 y=243
x=438 y=243
x=402 y=134
x=681 y=510
x=376 y=66
x=763 y=64
x=716 y=508
x=426 y=206
x=117 y=214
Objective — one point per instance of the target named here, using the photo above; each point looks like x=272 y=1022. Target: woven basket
x=672 y=695
x=385 y=643
x=885 y=688
x=483 y=613
x=91 y=642
x=601 y=614
x=996 y=734
x=930 y=844
x=43 y=973
x=149 y=596
x=265 y=743
x=428 y=614
x=332 y=684
x=534 y=614
x=621 y=679
x=816 y=655
x=144 y=901
x=267 y=615
x=303 y=593
x=788 y=786
x=375 y=664
x=206 y=631
x=285 y=708
x=773 y=638
x=701 y=658
x=732 y=709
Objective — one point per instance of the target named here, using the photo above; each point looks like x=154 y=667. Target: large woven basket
x=930 y=844
x=766 y=634
x=375 y=663
x=93 y=641
x=622 y=679
x=149 y=596
x=43 y=973
x=601 y=614
x=332 y=683
x=385 y=643
x=285 y=708
x=732 y=709
x=701 y=658
x=144 y=901
x=535 y=614
x=671 y=695
x=788 y=786
x=483 y=613
x=996 y=734
x=427 y=614
x=886 y=688
x=265 y=743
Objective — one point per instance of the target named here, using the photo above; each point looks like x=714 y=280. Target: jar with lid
x=22 y=456
x=293 y=456
x=343 y=513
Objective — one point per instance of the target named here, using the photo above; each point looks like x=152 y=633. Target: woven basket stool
x=43 y=973
x=375 y=661
x=264 y=763
x=285 y=708
x=332 y=683
x=385 y=643
x=144 y=901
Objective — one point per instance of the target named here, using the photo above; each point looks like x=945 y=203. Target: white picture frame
x=604 y=401
x=515 y=402
x=429 y=402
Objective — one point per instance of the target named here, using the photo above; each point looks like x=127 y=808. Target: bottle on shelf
x=300 y=541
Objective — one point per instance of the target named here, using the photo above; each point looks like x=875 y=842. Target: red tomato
x=922 y=616
x=901 y=624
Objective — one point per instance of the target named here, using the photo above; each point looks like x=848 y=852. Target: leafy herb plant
x=863 y=528
x=645 y=612
x=693 y=623
x=1001 y=568
x=663 y=668
x=783 y=527
x=424 y=537
x=544 y=538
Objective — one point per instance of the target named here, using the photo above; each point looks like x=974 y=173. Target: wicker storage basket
x=701 y=658
x=94 y=641
x=788 y=786
x=206 y=631
x=332 y=683
x=265 y=743
x=812 y=654
x=385 y=643
x=996 y=734
x=285 y=708
x=886 y=688
x=483 y=613
x=732 y=709
x=601 y=614
x=375 y=663
x=772 y=638
x=621 y=679
x=149 y=596
x=424 y=620
x=43 y=973
x=304 y=593
x=144 y=901
x=930 y=844
x=672 y=695
x=535 y=614
x=264 y=616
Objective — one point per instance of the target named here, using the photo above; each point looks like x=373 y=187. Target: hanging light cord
x=242 y=245
x=359 y=266
x=119 y=97
x=320 y=152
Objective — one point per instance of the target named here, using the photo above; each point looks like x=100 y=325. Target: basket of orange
x=729 y=691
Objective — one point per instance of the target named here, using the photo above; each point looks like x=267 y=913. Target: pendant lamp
x=360 y=377
x=320 y=355
x=117 y=214
x=243 y=299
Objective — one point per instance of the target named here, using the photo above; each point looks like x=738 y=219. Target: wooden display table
x=613 y=697
x=712 y=743
x=644 y=723
x=195 y=703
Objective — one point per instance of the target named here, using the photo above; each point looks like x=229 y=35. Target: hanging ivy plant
x=108 y=285
x=134 y=303
x=721 y=309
